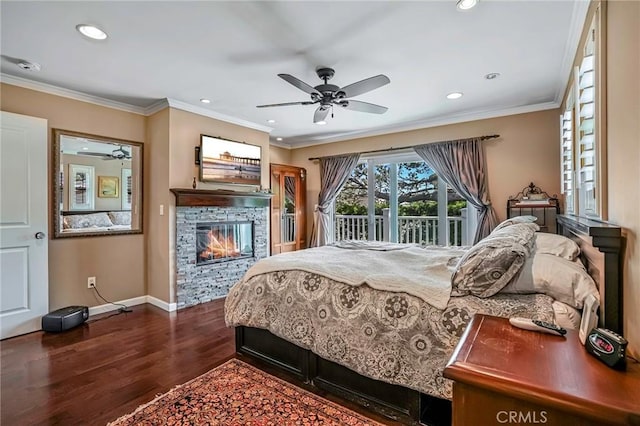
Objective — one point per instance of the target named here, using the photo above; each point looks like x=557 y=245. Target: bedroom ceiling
x=231 y=53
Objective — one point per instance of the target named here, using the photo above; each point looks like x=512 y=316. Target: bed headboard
x=601 y=251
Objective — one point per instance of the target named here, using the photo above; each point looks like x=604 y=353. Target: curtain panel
x=461 y=165
x=334 y=172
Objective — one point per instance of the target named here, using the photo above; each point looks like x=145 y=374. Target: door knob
x=40 y=235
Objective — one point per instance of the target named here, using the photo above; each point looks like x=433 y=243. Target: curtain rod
x=482 y=138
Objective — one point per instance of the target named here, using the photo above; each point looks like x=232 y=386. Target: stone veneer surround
x=199 y=284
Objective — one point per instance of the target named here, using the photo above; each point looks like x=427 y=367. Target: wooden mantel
x=219 y=198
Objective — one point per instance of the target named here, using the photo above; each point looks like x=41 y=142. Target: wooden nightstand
x=505 y=375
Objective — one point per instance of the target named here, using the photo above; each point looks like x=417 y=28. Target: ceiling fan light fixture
x=321 y=123
x=466 y=4
x=454 y=95
x=91 y=31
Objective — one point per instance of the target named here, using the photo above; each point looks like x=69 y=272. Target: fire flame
x=219 y=246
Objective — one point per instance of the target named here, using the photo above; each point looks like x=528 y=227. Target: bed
x=386 y=349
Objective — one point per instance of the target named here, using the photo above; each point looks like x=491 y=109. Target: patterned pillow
x=94 y=220
x=120 y=218
x=522 y=233
x=493 y=262
x=514 y=220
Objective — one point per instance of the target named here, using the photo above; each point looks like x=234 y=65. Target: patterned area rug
x=236 y=393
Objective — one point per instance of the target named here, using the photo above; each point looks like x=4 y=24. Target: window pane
x=351 y=206
x=417 y=217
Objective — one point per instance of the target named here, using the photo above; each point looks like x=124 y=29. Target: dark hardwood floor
x=107 y=367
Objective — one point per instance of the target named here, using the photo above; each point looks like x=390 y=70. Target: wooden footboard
x=392 y=401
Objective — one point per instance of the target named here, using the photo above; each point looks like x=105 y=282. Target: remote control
x=536 y=325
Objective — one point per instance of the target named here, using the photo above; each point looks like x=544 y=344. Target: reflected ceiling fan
x=330 y=95
x=117 y=154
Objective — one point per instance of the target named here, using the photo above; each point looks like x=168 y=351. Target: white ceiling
x=231 y=53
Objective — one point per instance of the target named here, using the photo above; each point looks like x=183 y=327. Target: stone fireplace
x=219 y=236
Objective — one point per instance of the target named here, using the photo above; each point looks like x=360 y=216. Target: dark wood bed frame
x=601 y=246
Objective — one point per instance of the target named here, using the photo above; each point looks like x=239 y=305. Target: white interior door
x=24 y=273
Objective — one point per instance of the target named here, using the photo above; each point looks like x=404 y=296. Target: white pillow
x=120 y=218
x=515 y=220
x=566 y=316
x=557 y=245
x=92 y=220
x=566 y=281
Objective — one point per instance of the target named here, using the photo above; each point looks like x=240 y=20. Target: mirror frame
x=55 y=185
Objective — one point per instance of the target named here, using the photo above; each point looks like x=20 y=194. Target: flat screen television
x=227 y=161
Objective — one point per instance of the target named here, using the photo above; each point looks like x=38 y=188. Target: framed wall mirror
x=97 y=185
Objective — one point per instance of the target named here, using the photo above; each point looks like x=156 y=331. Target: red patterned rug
x=236 y=393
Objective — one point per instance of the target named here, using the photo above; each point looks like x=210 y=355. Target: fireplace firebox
x=223 y=241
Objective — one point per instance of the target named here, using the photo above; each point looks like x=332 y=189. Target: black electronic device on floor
x=65 y=318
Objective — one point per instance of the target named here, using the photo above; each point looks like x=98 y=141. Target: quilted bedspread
x=390 y=336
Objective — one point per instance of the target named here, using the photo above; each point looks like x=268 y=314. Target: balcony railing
x=411 y=229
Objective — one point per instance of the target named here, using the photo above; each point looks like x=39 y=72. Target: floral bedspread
x=393 y=337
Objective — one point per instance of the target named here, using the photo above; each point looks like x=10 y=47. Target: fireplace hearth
x=218 y=242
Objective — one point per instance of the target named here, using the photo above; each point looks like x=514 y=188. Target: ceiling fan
x=328 y=95
x=117 y=154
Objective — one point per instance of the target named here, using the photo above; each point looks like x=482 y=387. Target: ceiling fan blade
x=364 y=86
x=94 y=154
x=298 y=83
x=286 y=104
x=320 y=114
x=363 y=107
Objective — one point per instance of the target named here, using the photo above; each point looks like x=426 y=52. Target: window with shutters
x=81 y=195
x=566 y=154
x=582 y=126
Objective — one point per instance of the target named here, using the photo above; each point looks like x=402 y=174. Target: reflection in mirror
x=289 y=209
x=97 y=185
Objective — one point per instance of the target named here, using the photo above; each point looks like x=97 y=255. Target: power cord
x=122 y=308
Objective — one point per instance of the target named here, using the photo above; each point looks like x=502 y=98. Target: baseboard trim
x=169 y=307
x=140 y=300
x=108 y=307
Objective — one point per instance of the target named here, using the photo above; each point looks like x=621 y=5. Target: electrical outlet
x=91 y=282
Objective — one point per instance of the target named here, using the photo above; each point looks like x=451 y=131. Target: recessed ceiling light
x=321 y=123
x=492 y=75
x=85 y=148
x=29 y=66
x=278 y=139
x=271 y=121
x=466 y=4
x=91 y=31
x=454 y=95
x=205 y=101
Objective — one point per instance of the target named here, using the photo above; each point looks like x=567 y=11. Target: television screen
x=226 y=161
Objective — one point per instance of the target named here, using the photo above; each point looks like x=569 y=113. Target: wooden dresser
x=505 y=375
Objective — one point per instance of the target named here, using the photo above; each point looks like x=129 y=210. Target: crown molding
x=318 y=140
x=280 y=145
x=151 y=109
x=576 y=25
x=216 y=115
x=156 y=107
x=423 y=124
x=68 y=93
